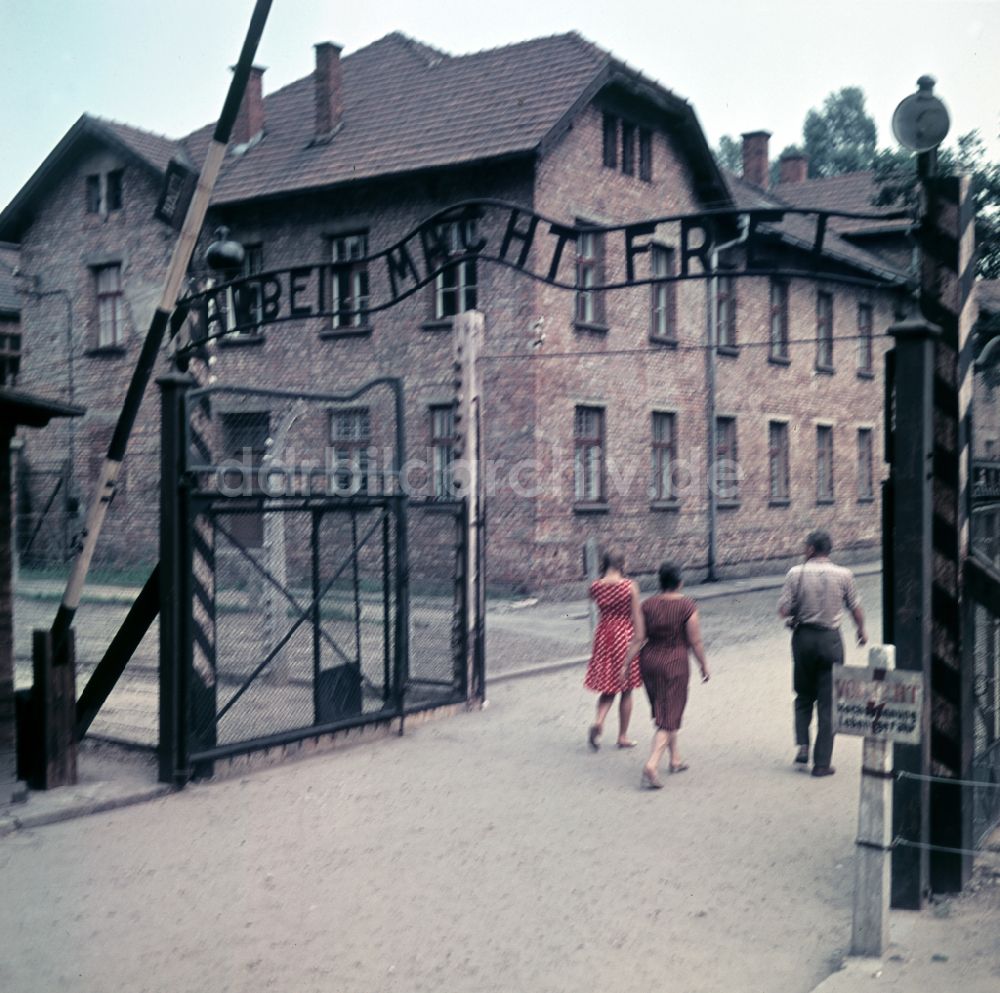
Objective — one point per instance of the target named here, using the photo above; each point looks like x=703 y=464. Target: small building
x=598 y=404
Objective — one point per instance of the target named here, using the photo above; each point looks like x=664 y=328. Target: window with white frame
x=588 y=458
x=589 y=272
x=664 y=455
x=866 y=464
x=350 y=441
x=349 y=280
x=664 y=295
x=824 y=463
x=442 y=449
x=456 y=287
x=778 y=459
x=110 y=305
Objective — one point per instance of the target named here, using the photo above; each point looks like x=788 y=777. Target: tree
x=842 y=137
x=896 y=178
x=729 y=154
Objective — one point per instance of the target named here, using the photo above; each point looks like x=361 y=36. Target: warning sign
x=878 y=703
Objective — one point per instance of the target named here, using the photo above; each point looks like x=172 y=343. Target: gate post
x=466 y=342
x=175 y=590
x=911 y=554
x=947 y=245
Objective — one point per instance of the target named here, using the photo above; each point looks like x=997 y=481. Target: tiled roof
x=854 y=192
x=9 y=301
x=801 y=231
x=155 y=149
x=409 y=107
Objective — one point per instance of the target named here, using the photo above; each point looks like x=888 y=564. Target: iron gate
x=295 y=549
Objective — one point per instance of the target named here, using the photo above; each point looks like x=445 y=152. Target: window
x=664 y=295
x=866 y=471
x=664 y=454
x=244 y=311
x=350 y=439
x=589 y=272
x=103 y=191
x=628 y=148
x=245 y=438
x=93 y=194
x=865 y=323
x=114 y=189
x=777 y=447
x=349 y=290
x=645 y=154
x=824 y=463
x=588 y=461
x=779 y=319
x=725 y=302
x=442 y=449
x=824 y=331
x=455 y=287
x=610 y=141
x=110 y=316
x=725 y=472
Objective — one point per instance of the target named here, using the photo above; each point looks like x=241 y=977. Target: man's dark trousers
x=815 y=651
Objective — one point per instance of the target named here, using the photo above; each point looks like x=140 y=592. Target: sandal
x=680 y=767
x=627 y=743
x=650 y=780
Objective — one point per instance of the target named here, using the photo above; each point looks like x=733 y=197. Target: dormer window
x=625 y=145
x=104 y=192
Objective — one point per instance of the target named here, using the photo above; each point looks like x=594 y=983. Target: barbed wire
x=903 y=774
x=948 y=850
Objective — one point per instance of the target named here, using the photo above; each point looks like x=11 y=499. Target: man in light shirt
x=813 y=601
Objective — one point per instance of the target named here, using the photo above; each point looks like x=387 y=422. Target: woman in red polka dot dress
x=617 y=600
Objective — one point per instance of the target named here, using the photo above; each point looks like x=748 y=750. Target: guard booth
x=45 y=732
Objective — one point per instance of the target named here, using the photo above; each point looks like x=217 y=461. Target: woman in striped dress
x=609 y=673
x=667 y=631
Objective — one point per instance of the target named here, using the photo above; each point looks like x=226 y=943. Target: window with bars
x=349 y=280
x=824 y=463
x=664 y=456
x=778 y=457
x=866 y=466
x=645 y=154
x=610 y=154
x=663 y=306
x=725 y=303
x=779 y=319
x=110 y=306
x=865 y=343
x=824 y=331
x=442 y=449
x=589 y=272
x=350 y=441
x=725 y=471
x=456 y=287
x=588 y=461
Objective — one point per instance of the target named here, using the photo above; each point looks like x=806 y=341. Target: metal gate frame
x=188 y=703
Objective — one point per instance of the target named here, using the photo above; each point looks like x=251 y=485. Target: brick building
x=597 y=404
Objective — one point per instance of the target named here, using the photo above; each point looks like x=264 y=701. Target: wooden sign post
x=884 y=706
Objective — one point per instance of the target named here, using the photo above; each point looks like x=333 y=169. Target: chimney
x=793 y=168
x=329 y=80
x=250 y=118
x=755 y=161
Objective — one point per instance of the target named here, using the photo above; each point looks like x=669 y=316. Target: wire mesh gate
x=287 y=601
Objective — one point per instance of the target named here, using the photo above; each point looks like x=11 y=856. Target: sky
x=744 y=65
